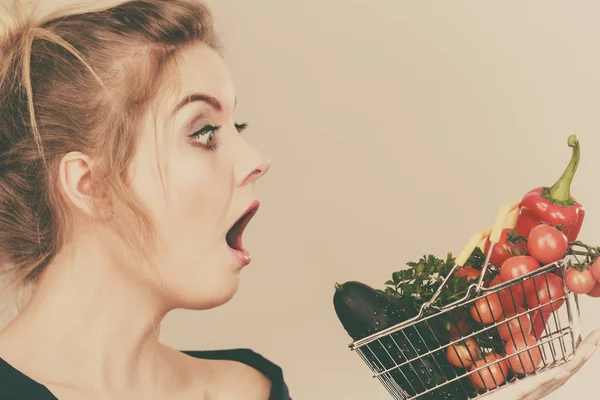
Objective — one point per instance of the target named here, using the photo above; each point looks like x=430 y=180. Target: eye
x=206 y=136
x=241 y=127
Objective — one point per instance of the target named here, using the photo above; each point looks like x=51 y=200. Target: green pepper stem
x=561 y=190
x=338 y=286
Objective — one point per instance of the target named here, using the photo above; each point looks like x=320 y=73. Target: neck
x=91 y=322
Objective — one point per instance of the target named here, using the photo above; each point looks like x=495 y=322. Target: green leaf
x=407 y=289
x=390 y=292
x=419 y=269
x=416 y=284
x=476 y=259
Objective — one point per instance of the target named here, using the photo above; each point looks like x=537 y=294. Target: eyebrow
x=195 y=97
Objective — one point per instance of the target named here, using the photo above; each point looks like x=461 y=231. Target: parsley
x=410 y=288
x=477 y=259
x=416 y=285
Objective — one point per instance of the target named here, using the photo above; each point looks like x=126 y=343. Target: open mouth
x=234 y=235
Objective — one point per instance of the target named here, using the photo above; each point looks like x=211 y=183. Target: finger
x=536 y=389
x=584 y=352
x=575 y=367
x=535 y=382
x=543 y=391
x=561 y=375
x=592 y=339
x=555 y=380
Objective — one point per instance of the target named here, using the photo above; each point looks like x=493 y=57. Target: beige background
x=396 y=129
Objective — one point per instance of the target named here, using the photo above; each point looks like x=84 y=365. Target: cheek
x=198 y=194
x=194 y=264
x=197 y=185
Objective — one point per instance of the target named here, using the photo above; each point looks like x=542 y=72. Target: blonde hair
x=80 y=80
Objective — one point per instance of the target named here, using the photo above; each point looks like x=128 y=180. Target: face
x=209 y=171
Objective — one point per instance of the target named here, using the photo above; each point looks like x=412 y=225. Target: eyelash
x=208 y=129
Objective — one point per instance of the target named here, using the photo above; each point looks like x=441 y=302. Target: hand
x=538 y=386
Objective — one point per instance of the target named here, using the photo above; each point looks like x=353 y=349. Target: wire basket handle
x=493 y=233
x=506 y=218
x=504 y=213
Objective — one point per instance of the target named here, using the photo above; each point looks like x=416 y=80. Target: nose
x=252 y=166
x=260 y=169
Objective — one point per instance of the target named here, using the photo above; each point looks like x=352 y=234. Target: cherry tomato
x=596 y=269
x=492 y=376
x=463 y=353
x=595 y=292
x=469 y=272
x=494 y=282
x=560 y=273
x=539 y=323
x=511 y=297
x=502 y=250
x=487 y=309
x=580 y=282
x=515 y=267
x=549 y=288
x=527 y=361
x=516 y=326
x=458 y=330
x=547 y=244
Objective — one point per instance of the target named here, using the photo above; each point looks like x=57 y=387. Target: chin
x=207 y=297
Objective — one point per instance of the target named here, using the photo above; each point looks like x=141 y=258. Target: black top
x=14 y=385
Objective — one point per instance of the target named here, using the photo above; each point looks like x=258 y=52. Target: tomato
x=511 y=297
x=516 y=326
x=463 y=353
x=596 y=269
x=492 y=376
x=469 y=272
x=487 y=309
x=547 y=244
x=580 y=282
x=595 y=292
x=560 y=273
x=549 y=288
x=494 y=282
x=515 y=267
x=458 y=330
x=502 y=250
x=527 y=361
x=539 y=323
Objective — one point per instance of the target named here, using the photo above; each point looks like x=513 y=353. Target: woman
x=124 y=191
x=125 y=187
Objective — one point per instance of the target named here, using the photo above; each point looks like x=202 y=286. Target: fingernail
x=591 y=353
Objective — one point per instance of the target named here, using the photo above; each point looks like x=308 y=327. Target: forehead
x=203 y=70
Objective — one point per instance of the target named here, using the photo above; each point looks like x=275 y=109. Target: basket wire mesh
x=411 y=360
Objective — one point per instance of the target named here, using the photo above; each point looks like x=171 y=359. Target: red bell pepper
x=554 y=205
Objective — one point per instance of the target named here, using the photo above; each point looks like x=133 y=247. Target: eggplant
x=363 y=311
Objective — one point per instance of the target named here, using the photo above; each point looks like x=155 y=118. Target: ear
x=75 y=180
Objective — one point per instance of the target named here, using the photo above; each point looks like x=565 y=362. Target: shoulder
x=241 y=373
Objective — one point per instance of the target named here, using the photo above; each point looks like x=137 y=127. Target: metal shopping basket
x=411 y=361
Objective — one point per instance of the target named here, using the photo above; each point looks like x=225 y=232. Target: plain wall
x=396 y=129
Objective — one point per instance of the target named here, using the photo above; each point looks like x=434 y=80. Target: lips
x=234 y=235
